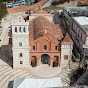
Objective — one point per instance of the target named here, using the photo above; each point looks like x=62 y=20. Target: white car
x=9 y=5
x=16 y=5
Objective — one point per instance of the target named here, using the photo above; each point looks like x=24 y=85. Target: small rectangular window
x=65 y=57
x=20 y=54
x=55 y=47
x=21 y=62
x=33 y=47
x=45 y=47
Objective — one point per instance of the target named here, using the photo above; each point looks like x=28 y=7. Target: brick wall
x=24 y=8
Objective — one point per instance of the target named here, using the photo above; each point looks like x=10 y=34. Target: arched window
x=19 y=29
x=45 y=47
x=24 y=29
x=15 y=29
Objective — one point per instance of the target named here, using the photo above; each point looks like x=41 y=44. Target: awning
x=37 y=82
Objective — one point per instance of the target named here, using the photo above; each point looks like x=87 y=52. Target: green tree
x=3 y=11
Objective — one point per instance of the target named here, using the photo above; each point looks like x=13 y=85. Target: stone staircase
x=7 y=74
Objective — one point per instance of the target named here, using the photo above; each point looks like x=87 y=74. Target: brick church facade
x=39 y=41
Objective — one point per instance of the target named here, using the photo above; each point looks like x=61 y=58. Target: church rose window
x=24 y=29
x=45 y=47
x=66 y=57
x=20 y=29
x=15 y=29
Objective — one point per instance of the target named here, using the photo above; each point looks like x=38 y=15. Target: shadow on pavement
x=4 y=56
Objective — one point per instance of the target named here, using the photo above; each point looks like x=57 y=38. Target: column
x=51 y=62
x=37 y=61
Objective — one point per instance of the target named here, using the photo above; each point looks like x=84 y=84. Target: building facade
x=39 y=41
x=76 y=21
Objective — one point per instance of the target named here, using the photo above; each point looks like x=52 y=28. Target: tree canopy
x=2 y=10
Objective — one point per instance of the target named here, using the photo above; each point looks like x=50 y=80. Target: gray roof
x=83 y=21
x=77 y=11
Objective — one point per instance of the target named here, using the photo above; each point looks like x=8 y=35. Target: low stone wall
x=24 y=8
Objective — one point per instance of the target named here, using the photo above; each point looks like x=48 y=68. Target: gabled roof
x=67 y=38
x=38 y=26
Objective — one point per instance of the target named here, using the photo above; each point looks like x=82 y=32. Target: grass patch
x=52 y=8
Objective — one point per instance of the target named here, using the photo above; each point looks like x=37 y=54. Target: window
x=19 y=29
x=20 y=54
x=24 y=29
x=81 y=36
x=33 y=47
x=20 y=44
x=55 y=47
x=45 y=47
x=21 y=62
x=65 y=57
x=15 y=29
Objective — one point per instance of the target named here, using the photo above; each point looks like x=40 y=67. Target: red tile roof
x=25 y=8
x=40 y=25
x=67 y=38
x=83 y=1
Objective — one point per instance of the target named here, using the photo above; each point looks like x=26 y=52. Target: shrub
x=3 y=11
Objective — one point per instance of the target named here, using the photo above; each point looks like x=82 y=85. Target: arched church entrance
x=45 y=59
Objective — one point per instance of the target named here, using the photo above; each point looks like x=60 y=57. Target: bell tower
x=20 y=43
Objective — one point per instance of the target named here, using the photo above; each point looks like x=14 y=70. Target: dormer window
x=19 y=29
x=24 y=29
x=15 y=29
x=45 y=47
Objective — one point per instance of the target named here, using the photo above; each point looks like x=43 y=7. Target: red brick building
x=47 y=45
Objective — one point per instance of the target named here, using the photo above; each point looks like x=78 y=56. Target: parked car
x=16 y=5
x=9 y=5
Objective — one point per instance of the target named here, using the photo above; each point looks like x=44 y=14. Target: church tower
x=66 y=51
x=20 y=40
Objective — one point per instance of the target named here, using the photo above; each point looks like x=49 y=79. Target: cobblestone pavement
x=8 y=74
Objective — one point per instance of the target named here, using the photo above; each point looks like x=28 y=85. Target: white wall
x=66 y=49
x=20 y=37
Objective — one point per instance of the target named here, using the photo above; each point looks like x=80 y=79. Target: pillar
x=37 y=61
x=51 y=62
